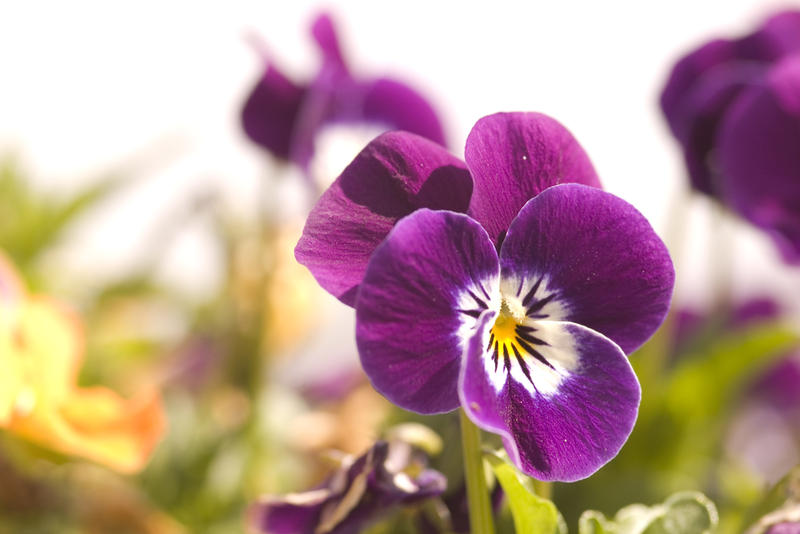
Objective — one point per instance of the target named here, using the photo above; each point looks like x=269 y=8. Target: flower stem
x=480 y=509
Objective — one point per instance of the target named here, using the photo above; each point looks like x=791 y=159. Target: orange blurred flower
x=41 y=350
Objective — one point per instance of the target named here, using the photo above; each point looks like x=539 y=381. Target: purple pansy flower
x=284 y=117
x=362 y=490
x=734 y=106
x=520 y=311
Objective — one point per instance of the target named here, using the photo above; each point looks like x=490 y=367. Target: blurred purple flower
x=734 y=107
x=284 y=117
x=530 y=340
x=361 y=491
x=784 y=528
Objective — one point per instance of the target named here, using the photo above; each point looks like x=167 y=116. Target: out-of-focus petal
x=360 y=492
x=760 y=159
x=46 y=343
x=98 y=424
x=424 y=288
x=703 y=110
x=270 y=112
x=324 y=33
x=593 y=259
x=563 y=414
x=393 y=176
x=397 y=105
x=685 y=75
x=295 y=513
x=515 y=156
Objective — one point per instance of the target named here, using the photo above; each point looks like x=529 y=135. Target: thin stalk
x=480 y=508
x=543 y=489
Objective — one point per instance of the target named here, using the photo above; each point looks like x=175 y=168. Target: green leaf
x=532 y=514
x=703 y=385
x=687 y=512
x=781 y=503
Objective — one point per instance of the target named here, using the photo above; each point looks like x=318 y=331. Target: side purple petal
x=270 y=112
x=685 y=74
x=393 y=176
x=602 y=264
x=400 y=107
x=424 y=287
x=760 y=159
x=562 y=423
x=704 y=108
x=515 y=156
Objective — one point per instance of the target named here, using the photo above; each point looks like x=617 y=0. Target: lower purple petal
x=423 y=290
x=559 y=421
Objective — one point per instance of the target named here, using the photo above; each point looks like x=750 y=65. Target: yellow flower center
x=512 y=337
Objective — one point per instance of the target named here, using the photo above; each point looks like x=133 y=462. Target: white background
x=88 y=85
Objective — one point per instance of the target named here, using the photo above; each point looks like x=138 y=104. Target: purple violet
x=734 y=107
x=521 y=310
x=361 y=491
x=284 y=117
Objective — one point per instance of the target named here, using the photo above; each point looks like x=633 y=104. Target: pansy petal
x=400 y=107
x=393 y=176
x=295 y=513
x=589 y=257
x=562 y=414
x=324 y=33
x=760 y=159
x=685 y=74
x=515 y=156
x=424 y=288
x=704 y=107
x=98 y=424
x=270 y=112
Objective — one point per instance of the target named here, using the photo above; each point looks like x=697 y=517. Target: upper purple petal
x=703 y=85
x=393 y=176
x=324 y=33
x=270 y=112
x=595 y=259
x=515 y=156
x=564 y=416
x=760 y=159
x=428 y=282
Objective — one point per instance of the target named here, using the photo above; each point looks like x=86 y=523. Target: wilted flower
x=734 y=106
x=531 y=342
x=41 y=346
x=285 y=117
x=362 y=490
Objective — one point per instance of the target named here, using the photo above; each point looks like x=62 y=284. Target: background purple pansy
x=284 y=117
x=733 y=106
x=362 y=491
x=510 y=158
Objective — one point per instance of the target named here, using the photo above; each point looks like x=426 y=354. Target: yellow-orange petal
x=98 y=424
x=49 y=343
x=11 y=287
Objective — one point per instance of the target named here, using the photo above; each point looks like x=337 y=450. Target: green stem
x=543 y=489
x=480 y=509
